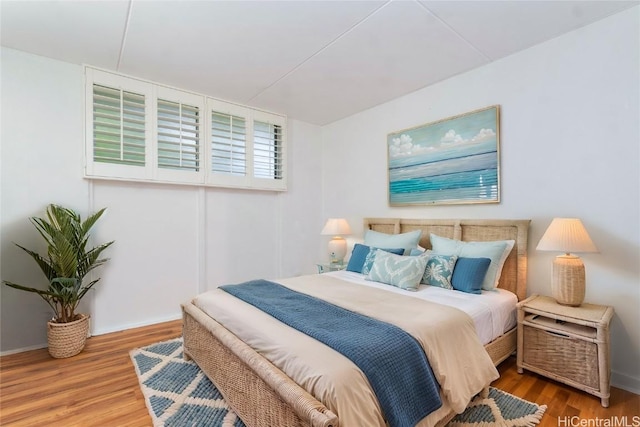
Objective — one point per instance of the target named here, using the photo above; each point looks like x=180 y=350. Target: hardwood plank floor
x=99 y=387
x=564 y=402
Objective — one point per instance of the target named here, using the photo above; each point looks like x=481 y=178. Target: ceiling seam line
x=471 y=45
x=124 y=35
x=332 y=42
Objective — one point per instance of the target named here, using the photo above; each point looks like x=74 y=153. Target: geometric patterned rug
x=178 y=394
x=176 y=391
x=499 y=408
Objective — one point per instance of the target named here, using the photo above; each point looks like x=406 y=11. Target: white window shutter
x=267 y=150
x=142 y=131
x=118 y=126
x=179 y=136
x=228 y=144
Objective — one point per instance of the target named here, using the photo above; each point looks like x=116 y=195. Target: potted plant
x=65 y=266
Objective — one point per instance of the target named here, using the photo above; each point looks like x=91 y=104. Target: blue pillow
x=359 y=256
x=469 y=273
x=497 y=251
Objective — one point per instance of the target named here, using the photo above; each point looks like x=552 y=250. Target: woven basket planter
x=67 y=339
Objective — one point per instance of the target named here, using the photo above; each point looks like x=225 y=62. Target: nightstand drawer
x=325 y=268
x=562 y=355
x=562 y=327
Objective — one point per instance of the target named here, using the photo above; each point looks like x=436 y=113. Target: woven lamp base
x=568 y=281
x=67 y=339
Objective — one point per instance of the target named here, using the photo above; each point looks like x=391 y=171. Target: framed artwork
x=454 y=160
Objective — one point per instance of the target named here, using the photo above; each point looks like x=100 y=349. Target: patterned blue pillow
x=362 y=258
x=400 y=271
x=439 y=270
x=368 y=261
x=469 y=274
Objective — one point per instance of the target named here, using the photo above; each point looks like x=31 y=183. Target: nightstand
x=567 y=344
x=326 y=267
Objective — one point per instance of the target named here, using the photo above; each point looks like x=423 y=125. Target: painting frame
x=455 y=160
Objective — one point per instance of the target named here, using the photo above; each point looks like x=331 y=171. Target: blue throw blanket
x=393 y=361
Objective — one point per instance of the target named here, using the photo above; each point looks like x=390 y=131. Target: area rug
x=178 y=394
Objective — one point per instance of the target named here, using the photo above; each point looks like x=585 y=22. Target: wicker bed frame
x=262 y=395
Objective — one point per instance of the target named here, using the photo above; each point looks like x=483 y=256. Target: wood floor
x=99 y=387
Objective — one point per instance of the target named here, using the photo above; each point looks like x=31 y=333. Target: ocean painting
x=455 y=160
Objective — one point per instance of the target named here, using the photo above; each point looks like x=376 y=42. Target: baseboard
x=99 y=332
x=22 y=349
x=137 y=324
x=625 y=382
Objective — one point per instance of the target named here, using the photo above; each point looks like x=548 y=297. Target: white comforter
x=458 y=359
x=493 y=312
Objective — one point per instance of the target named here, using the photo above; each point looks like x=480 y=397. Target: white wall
x=569 y=147
x=171 y=242
x=41 y=155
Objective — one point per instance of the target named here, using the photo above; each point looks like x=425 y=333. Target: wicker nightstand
x=567 y=344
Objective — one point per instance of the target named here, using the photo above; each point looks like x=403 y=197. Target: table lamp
x=337 y=227
x=567 y=235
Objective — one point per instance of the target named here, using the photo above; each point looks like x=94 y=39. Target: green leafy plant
x=67 y=261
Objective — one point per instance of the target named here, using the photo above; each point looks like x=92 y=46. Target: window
x=267 y=146
x=178 y=136
x=228 y=144
x=118 y=126
x=138 y=130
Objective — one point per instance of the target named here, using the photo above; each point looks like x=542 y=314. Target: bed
x=263 y=395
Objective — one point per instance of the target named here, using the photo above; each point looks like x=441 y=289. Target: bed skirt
x=255 y=389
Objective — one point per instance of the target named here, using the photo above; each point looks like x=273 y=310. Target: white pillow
x=401 y=271
x=497 y=251
x=407 y=241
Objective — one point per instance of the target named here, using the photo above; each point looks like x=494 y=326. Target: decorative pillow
x=469 y=274
x=368 y=261
x=359 y=256
x=439 y=270
x=400 y=271
x=407 y=241
x=497 y=251
x=416 y=252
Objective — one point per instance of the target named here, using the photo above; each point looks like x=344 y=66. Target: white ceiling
x=316 y=61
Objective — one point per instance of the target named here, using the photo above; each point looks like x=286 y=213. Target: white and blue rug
x=178 y=394
x=499 y=409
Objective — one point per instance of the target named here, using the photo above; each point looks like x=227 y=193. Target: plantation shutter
x=228 y=144
x=267 y=150
x=145 y=132
x=178 y=136
x=118 y=126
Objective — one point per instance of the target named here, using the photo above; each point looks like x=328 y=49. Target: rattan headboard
x=514 y=272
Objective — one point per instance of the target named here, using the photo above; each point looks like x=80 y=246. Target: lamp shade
x=566 y=235
x=336 y=227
